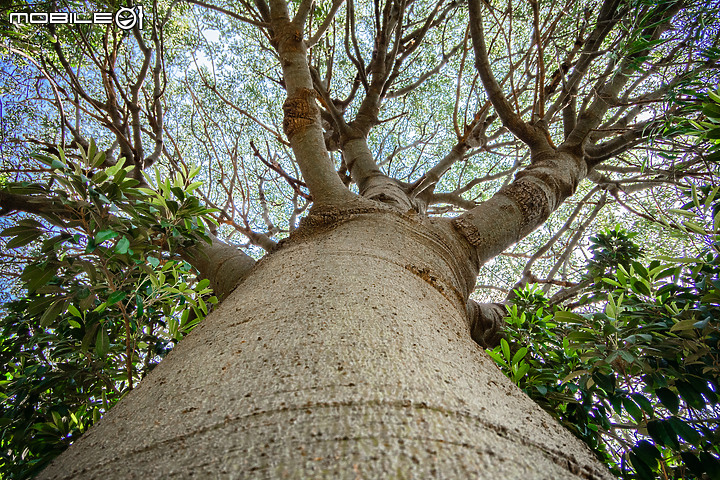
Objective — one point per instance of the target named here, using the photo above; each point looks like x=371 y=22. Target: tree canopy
x=127 y=153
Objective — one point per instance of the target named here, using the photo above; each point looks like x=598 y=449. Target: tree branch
x=523 y=205
x=229 y=13
x=326 y=23
x=486 y=322
x=302 y=116
x=531 y=136
x=222 y=264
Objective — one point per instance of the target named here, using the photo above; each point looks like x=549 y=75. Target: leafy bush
x=638 y=378
x=636 y=373
x=104 y=300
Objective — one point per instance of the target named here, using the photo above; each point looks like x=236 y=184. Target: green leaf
x=505 y=349
x=684 y=213
x=36 y=276
x=627 y=356
x=57 y=419
x=713 y=134
x=690 y=395
x=98 y=160
x=633 y=409
x=522 y=369
x=193 y=186
x=606 y=382
x=692 y=462
x=569 y=317
x=122 y=245
x=643 y=402
x=581 y=336
x=88 y=302
x=24 y=239
x=519 y=355
x=662 y=434
x=140 y=306
x=104 y=235
x=610 y=307
x=115 y=297
x=574 y=374
x=643 y=470
x=695 y=227
x=46 y=159
x=102 y=342
x=74 y=311
x=668 y=398
x=57 y=164
x=52 y=313
x=711 y=464
x=685 y=431
x=687 y=324
x=648 y=453
x=497 y=357
x=89 y=336
x=714 y=96
x=99 y=177
x=178 y=192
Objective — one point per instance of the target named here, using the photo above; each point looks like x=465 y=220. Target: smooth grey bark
x=224 y=265
x=525 y=204
x=346 y=353
x=301 y=121
x=372 y=183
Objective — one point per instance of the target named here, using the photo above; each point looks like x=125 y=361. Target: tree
x=635 y=376
x=348 y=349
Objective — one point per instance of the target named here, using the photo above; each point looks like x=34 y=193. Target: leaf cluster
x=636 y=375
x=105 y=299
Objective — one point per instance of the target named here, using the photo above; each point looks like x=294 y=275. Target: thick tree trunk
x=346 y=353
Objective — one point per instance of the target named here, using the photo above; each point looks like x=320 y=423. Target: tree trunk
x=346 y=353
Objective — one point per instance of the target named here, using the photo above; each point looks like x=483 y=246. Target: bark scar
x=433 y=280
x=300 y=111
x=530 y=199
x=468 y=230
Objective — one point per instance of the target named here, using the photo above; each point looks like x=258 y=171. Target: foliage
x=105 y=300
x=611 y=249
x=636 y=375
x=638 y=378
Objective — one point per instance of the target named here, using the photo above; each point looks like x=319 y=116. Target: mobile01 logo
x=126 y=18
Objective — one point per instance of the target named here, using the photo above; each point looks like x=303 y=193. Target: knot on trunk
x=322 y=218
x=468 y=230
x=288 y=36
x=300 y=111
x=486 y=322
x=532 y=201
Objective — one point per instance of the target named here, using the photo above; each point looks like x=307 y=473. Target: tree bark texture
x=346 y=353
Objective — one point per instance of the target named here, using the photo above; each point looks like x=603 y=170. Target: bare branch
x=231 y=14
x=302 y=116
x=528 y=134
x=302 y=12
x=326 y=23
